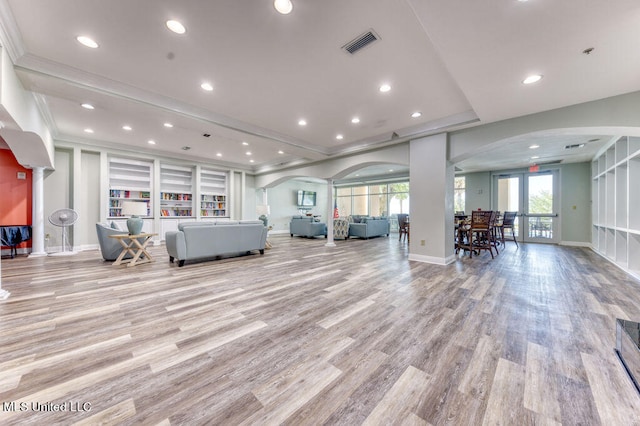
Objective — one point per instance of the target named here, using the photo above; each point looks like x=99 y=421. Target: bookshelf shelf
x=176 y=196
x=128 y=180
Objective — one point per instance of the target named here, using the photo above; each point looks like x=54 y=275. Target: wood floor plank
x=307 y=334
x=401 y=400
x=505 y=405
x=612 y=410
x=540 y=390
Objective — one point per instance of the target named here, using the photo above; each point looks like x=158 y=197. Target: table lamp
x=263 y=210
x=135 y=209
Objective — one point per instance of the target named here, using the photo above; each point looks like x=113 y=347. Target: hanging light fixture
x=283 y=6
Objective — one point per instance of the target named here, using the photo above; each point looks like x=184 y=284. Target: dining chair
x=508 y=222
x=403 y=226
x=477 y=235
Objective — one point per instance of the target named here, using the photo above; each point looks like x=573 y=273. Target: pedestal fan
x=63 y=218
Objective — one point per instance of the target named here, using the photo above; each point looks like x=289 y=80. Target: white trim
x=9 y=33
x=576 y=244
x=433 y=260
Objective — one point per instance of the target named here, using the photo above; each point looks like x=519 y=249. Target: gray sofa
x=201 y=240
x=110 y=247
x=367 y=227
x=306 y=227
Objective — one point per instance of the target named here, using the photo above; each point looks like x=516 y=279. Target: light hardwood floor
x=307 y=334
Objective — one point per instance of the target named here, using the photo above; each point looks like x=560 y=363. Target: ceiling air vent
x=574 y=146
x=361 y=41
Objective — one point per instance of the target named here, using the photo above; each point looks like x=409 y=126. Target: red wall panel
x=15 y=194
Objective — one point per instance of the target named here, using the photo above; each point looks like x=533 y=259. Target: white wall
x=339 y=167
x=283 y=202
x=22 y=114
x=57 y=195
x=575 y=203
x=477 y=191
x=618 y=115
x=88 y=206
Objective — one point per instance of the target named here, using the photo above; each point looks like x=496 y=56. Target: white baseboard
x=278 y=232
x=575 y=244
x=433 y=260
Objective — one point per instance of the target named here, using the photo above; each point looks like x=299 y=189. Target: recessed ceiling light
x=151 y=142
x=283 y=6
x=127 y=128
x=355 y=120
x=87 y=106
x=88 y=130
x=86 y=41
x=302 y=122
x=535 y=157
x=206 y=86
x=384 y=88
x=281 y=152
x=176 y=27
x=534 y=146
x=416 y=114
x=390 y=170
x=251 y=161
x=339 y=137
x=248 y=153
x=219 y=154
x=245 y=143
x=168 y=125
x=532 y=79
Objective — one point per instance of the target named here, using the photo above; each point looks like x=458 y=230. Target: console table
x=12 y=236
x=131 y=244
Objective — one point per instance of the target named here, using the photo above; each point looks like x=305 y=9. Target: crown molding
x=10 y=36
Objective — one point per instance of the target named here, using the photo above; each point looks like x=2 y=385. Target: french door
x=535 y=197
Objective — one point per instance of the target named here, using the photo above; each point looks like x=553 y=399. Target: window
x=373 y=200
x=459 y=193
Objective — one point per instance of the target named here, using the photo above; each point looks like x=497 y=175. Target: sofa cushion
x=184 y=225
x=251 y=222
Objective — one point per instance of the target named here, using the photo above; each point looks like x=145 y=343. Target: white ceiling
x=456 y=61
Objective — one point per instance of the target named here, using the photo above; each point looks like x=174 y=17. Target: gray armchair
x=306 y=227
x=110 y=247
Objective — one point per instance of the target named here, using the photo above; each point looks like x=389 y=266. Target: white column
x=37 y=213
x=330 y=242
x=431 y=178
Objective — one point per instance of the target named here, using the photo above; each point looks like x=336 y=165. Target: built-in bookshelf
x=129 y=180
x=176 y=196
x=213 y=194
x=616 y=202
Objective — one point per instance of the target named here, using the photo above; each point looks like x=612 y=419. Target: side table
x=131 y=244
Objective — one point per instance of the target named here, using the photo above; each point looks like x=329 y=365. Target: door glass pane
x=508 y=194
x=540 y=194
x=509 y=198
x=540 y=227
x=540 y=202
